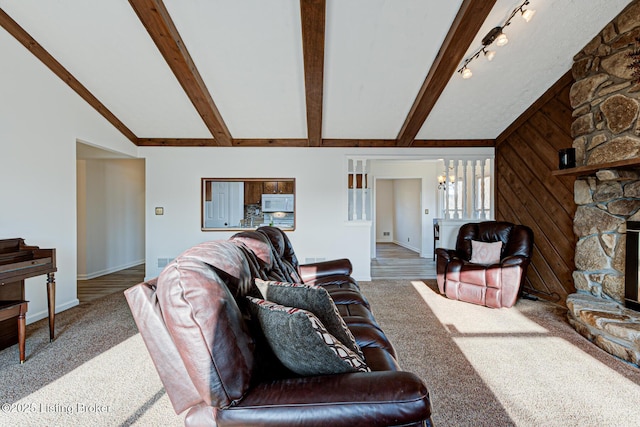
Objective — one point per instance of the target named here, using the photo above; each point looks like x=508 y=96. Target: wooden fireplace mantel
x=591 y=169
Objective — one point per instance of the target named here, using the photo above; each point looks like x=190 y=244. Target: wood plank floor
x=392 y=262
x=89 y=290
x=396 y=262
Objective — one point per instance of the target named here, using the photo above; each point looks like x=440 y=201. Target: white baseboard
x=95 y=274
x=34 y=317
x=404 y=245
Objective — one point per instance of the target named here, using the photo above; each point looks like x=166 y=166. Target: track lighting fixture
x=497 y=36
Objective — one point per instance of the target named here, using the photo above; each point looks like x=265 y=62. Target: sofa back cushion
x=196 y=296
x=284 y=254
x=279 y=237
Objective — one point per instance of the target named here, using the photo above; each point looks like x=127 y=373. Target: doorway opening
x=399 y=230
x=110 y=218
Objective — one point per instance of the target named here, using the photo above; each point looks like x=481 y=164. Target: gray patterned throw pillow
x=312 y=298
x=302 y=343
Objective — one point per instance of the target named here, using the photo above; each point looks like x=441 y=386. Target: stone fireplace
x=606 y=130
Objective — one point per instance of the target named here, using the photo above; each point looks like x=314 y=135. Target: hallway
x=92 y=289
x=396 y=262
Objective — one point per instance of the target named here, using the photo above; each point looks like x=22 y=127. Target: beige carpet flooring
x=523 y=366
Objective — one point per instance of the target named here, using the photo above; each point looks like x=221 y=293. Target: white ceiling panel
x=104 y=45
x=378 y=53
x=249 y=54
x=538 y=54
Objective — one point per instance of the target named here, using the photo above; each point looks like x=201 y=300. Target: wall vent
x=163 y=262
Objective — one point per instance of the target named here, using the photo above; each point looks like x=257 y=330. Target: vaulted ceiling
x=308 y=72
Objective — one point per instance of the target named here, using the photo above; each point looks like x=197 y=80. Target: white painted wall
x=384 y=210
x=111 y=234
x=40 y=121
x=407 y=213
x=321 y=200
x=321 y=195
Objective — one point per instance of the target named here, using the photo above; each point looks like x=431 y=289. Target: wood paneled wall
x=527 y=193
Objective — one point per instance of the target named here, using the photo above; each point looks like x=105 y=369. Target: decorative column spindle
x=363 y=191
x=354 y=184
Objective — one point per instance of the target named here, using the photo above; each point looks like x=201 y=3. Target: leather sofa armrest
x=334 y=267
x=514 y=260
x=162 y=349
x=372 y=398
x=447 y=254
x=443 y=258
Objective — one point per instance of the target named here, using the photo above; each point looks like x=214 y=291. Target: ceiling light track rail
x=495 y=35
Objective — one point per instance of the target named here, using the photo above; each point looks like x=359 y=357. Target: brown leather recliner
x=493 y=285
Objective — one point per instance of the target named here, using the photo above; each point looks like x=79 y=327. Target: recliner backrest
x=516 y=239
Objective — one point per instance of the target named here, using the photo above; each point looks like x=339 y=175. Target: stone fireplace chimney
x=606 y=130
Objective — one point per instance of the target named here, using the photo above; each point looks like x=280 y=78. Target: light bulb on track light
x=502 y=40
x=528 y=14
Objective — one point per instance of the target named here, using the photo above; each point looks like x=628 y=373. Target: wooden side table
x=9 y=309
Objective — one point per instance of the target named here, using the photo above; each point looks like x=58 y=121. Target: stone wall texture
x=606 y=128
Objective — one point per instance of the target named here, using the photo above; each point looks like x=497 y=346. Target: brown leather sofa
x=495 y=284
x=215 y=363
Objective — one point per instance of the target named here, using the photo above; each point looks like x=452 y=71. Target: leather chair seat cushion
x=302 y=343
x=480 y=275
x=466 y=292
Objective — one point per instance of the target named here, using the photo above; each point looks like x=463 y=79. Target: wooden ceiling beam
x=50 y=62
x=454 y=143
x=465 y=27
x=301 y=142
x=312 y=16
x=155 y=18
x=177 y=142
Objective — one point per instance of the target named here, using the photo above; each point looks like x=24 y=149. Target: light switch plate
x=159 y=211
